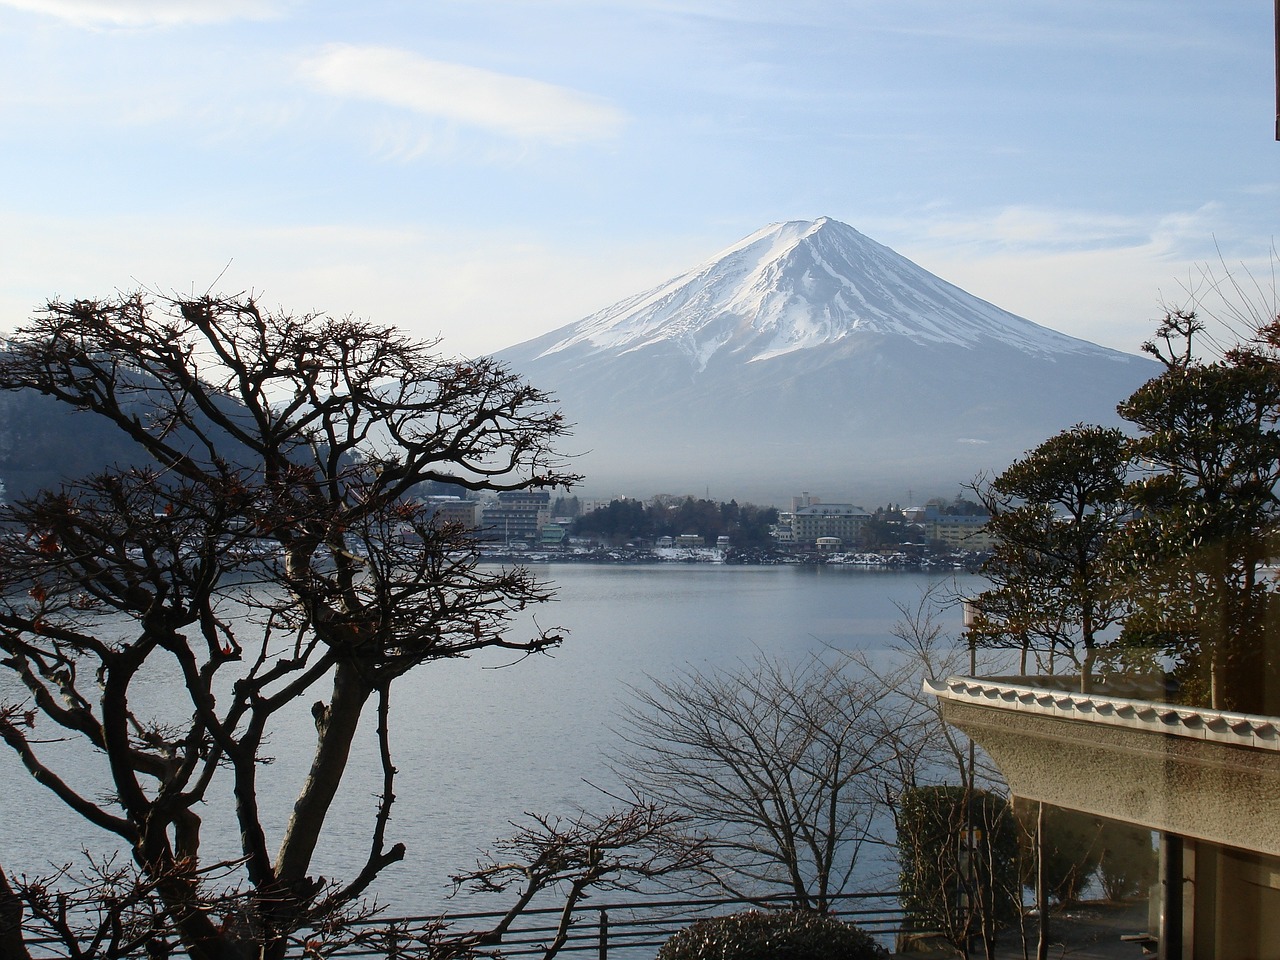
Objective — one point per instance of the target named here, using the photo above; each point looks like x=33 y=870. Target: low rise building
x=818 y=520
x=465 y=513
x=517 y=515
x=961 y=532
x=958 y=531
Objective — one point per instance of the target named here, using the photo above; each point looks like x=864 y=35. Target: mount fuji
x=808 y=356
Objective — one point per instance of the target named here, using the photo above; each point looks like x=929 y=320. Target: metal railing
x=624 y=929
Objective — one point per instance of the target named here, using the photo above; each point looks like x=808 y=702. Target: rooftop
x=1207 y=774
x=1241 y=729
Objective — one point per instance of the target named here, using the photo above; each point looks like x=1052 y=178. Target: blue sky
x=486 y=170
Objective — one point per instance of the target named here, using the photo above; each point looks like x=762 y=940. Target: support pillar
x=1170 y=896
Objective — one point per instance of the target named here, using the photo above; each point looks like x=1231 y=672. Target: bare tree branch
x=264 y=543
x=773 y=765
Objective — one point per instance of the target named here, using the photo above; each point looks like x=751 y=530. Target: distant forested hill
x=44 y=443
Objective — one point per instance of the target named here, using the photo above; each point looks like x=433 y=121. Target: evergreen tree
x=1056 y=513
x=1207 y=518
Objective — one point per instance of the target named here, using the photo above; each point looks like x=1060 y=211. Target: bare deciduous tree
x=619 y=850
x=936 y=772
x=264 y=547
x=927 y=750
x=774 y=766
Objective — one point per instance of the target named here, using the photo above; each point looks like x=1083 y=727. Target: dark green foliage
x=622 y=521
x=566 y=507
x=958 y=507
x=886 y=528
x=1207 y=520
x=937 y=882
x=1056 y=513
x=747 y=525
x=618 y=522
x=1161 y=534
x=1080 y=847
x=1128 y=864
x=790 y=935
x=1073 y=848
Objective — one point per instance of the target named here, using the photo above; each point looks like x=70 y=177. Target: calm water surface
x=479 y=742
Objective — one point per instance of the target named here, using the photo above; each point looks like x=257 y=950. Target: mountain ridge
x=808 y=356
x=793 y=285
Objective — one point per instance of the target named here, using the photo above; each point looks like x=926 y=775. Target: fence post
x=604 y=935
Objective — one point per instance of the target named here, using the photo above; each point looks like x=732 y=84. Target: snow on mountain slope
x=796 y=286
x=808 y=356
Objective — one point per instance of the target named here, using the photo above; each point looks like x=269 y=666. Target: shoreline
x=634 y=556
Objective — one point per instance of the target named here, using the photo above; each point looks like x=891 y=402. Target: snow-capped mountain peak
x=808 y=356
x=795 y=286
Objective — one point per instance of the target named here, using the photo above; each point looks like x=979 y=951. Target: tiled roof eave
x=1238 y=729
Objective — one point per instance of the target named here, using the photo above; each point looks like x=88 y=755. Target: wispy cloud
x=148 y=13
x=1042 y=230
x=511 y=106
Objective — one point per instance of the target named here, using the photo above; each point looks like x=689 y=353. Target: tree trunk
x=1086 y=670
x=1090 y=651
x=201 y=938
x=336 y=728
x=1042 y=887
x=12 y=943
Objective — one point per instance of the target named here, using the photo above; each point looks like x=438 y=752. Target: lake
x=479 y=742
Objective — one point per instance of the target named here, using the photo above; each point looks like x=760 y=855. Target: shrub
x=1073 y=848
x=788 y=935
x=938 y=880
x=1128 y=861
